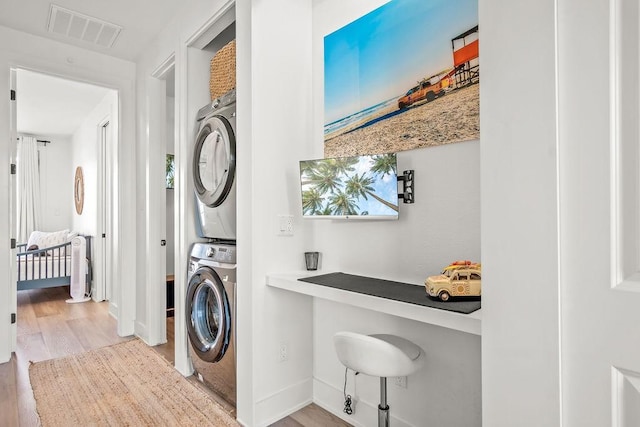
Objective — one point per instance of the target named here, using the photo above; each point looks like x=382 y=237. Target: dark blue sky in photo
x=384 y=53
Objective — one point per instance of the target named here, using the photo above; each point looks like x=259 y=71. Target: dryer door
x=208 y=315
x=214 y=161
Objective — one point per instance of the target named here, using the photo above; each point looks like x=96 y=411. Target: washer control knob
x=210 y=252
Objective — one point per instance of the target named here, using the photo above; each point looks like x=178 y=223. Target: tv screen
x=363 y=187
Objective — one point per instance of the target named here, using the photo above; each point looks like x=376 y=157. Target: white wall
x=520 y=314
x=279 y=138
x=18 y=49
x=84 y=153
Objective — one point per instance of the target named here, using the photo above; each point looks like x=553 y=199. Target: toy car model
x=458 y=279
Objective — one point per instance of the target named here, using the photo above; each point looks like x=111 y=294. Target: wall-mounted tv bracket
x=407 y=186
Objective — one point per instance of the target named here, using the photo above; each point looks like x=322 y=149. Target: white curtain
x=28 y=188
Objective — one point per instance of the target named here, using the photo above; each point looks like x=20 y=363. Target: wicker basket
x=223 y=70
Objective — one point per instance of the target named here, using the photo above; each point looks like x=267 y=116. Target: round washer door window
x=208 y=315
x=214 y=161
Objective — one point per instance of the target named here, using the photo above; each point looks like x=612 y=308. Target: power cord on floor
x=347 y=397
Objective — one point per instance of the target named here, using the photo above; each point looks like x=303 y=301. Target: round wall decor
x=78 y=190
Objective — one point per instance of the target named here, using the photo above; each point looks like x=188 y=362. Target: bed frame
x=50 y=278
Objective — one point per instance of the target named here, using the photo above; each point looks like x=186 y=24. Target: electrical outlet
x=283 y=352
x=285 y=225
x=401 y=382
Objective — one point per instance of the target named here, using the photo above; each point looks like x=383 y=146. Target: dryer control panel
x=223 y=253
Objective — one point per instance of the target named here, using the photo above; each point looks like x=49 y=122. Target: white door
x=107 y=229
x=599 y=97
x=156 y=210
x=102 y=280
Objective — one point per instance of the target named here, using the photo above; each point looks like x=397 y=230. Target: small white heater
x=78 y=270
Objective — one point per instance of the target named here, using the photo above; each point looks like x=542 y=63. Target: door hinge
x=13 y=243
x=13 y=318
x=13 y=169
x=13 y=95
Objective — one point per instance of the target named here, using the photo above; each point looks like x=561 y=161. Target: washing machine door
x=208 y=315
x=214 y=161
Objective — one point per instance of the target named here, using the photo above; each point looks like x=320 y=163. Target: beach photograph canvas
x=403 y=76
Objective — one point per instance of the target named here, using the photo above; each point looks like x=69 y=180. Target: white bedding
x=35 y=267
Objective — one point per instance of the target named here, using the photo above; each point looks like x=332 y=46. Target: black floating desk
x=429 y=312
x=388 y=289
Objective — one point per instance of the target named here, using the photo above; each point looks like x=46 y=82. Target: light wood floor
x=309 y=416
x=49 y=328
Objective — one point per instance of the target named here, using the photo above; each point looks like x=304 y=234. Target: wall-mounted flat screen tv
x=362 y=187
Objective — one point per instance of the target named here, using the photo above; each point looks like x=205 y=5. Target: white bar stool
x=379 y=356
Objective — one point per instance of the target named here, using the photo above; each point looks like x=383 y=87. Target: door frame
x=155 y=202
x=121 y=78
x=13 y=200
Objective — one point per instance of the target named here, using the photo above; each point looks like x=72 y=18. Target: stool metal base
x=383 y=417
x=383 y=408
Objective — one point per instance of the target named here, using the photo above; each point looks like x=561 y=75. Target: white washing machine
x=214 y=169
x=211 y=317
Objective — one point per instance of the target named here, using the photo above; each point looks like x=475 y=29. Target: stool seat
x=378 y=355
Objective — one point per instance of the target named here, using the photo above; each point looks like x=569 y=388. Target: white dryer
x=214 y=169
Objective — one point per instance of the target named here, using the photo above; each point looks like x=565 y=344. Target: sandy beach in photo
x=455 y=117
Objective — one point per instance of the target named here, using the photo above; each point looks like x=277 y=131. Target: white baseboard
x=365 y=413
x=113 y=310
x=140 y=331
x=284 y=402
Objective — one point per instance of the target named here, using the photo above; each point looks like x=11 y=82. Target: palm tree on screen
x=343 y=204
x=323 y=177
x=311 y=201
x=326 y=210
x=343 y=165
x=361 y=186
x=384 y=164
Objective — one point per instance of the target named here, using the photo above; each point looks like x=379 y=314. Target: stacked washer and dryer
x=211 y=289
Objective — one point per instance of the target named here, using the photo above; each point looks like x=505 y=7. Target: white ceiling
x=141 y=21
x=49 y=106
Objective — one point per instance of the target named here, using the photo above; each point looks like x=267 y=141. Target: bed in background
x=49 y=262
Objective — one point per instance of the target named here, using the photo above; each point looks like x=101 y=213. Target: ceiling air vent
x=77 y=26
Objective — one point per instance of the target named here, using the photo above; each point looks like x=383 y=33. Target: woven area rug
x=126 y=384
